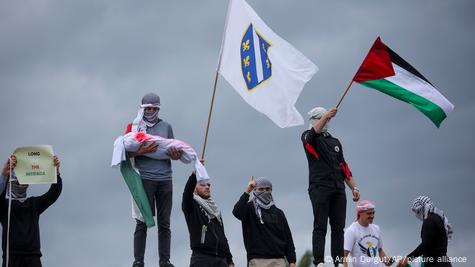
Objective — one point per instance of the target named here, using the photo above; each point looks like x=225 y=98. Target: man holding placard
x=20 y=221
x=35 y=165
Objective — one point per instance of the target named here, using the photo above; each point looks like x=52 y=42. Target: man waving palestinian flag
x=387 y=72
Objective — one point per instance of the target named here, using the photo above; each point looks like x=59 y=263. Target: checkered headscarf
x=261 y=200
x=363 y=206
x=423 y=205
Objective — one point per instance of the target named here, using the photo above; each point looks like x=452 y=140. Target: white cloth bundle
x=131 y=142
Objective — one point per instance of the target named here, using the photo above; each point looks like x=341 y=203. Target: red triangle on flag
x=377 y=64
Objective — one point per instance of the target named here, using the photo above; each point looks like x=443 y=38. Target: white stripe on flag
x=412 y=83
x=257 y=51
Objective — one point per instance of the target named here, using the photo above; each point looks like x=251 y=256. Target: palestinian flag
x=387 y=72
x=134 y=182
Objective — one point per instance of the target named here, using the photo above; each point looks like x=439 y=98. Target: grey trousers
x=268 y=263
x=160 y=195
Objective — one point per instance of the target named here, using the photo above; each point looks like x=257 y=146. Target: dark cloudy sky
x=72 y=74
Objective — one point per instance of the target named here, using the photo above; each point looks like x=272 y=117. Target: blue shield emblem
x=255 y=64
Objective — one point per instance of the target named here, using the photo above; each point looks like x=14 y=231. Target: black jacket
x=326 y=164
x=206 y=236
x=24 y=220
x=272 y=239
x=434 y=239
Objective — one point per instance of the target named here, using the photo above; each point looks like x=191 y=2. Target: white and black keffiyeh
x=140 y=124
x=18 y=191
x=423 y=205
x=209 y=207
x=261 y=200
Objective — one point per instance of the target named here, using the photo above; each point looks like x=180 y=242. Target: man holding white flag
x=263 y=68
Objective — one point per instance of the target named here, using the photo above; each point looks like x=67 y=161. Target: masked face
x=314 y=116
x=18 y=190
x=150 y=114
x=264 y=195
x=314 y=121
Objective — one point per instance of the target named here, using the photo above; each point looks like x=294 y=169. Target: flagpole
x=344 y=94
x=9 y=211
x=216 y=80
x=209 y=114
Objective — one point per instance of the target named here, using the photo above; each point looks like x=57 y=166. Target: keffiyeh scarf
x=423 y=205
x=209 y=207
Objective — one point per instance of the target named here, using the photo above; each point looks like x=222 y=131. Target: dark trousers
x=159 y=195
x=327 y=204
x=22 y=261
x=203 y=260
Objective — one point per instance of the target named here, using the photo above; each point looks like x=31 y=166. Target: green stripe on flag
x=134 y=182
x=431 y=110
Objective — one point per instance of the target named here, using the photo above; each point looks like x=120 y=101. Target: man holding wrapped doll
x=156 y=175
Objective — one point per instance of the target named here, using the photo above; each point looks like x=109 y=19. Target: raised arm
x=240 y=208
x=48 y=198
x=6 y=172
x=187 y=201
x=318 y=127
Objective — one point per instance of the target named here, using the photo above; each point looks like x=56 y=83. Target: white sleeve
x=380 y=242
x=349 y=239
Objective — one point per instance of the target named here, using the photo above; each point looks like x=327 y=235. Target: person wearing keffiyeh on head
x=156 y=178
x=328 y=173
x=363 y=239
x=208 y=242
x=436 y=233
x=266 y=232
x=24 y=243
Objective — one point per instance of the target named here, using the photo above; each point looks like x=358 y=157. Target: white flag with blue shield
x=263 y=68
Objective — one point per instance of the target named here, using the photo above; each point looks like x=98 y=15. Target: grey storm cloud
x=72 y=74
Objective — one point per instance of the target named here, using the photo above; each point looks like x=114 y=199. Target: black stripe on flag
x=396 y=59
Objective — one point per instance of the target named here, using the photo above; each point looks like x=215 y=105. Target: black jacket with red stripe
x=326 y=164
